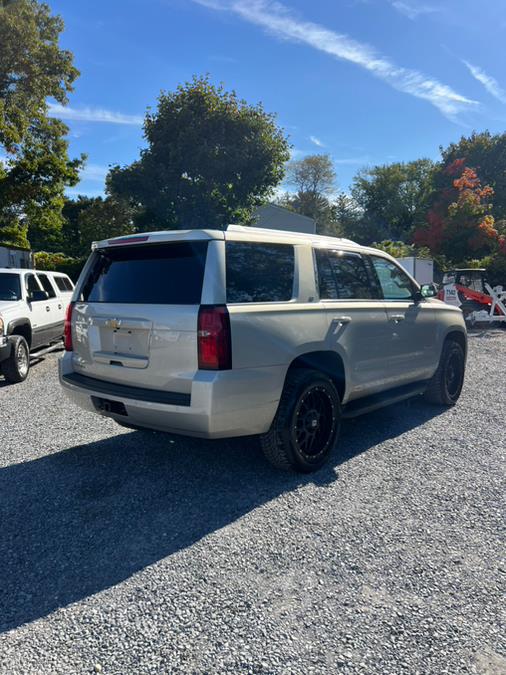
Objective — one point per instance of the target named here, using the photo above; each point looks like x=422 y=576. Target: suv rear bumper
x=222 y=403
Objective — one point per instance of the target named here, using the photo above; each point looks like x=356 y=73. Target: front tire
x=15 y=368
x=446 y=385
x=306 y=425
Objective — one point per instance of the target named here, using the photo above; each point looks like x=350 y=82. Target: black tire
x=446 y=384
x=306 y=425
x=16 y=367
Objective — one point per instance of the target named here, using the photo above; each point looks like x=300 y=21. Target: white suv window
x=395 y=284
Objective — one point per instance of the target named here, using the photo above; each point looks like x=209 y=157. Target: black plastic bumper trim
x=124 y=391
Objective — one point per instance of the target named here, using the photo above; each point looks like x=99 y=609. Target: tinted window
x=47 y=285
x=60 y=282
x=31 y=284
x=166 y=274
x=395 y=284
x=64 y=284
x=342 y=276
x=259 y=272
x=10 y=288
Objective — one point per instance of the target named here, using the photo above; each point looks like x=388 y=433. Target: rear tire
x=305 y=429
x=15 y=368
x=446 y=384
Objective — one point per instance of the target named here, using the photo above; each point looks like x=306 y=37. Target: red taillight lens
x=67 y=328
x=214 y=340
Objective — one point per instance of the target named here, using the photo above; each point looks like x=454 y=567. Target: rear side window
x=165 y=274
x=47 y=285
x=342 y=276
x=259 y=272
x=64 y=284
x=60 y=283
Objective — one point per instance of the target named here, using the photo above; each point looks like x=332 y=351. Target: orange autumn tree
x=459 y=224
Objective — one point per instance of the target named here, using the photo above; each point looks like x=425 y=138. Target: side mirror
x=38 y=296
x=428 y=290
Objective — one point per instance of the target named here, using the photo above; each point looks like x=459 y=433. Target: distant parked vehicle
x=254 y=331
x=32 y=314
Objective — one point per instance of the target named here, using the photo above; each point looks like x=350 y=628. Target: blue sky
x=367 y=81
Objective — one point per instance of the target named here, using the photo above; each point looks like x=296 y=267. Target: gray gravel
x=136 y=552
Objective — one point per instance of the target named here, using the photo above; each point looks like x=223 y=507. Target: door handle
x=47 y=308
x=397 y=317
x=59 y=306
x=341 y=320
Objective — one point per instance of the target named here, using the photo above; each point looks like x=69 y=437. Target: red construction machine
x=469 y=290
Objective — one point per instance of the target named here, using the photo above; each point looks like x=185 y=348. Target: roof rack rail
x=303 y=235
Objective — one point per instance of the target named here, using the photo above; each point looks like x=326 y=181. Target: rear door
x=40 y=312
x=136 y=321
x=413 y=351
x=356 y=318
x=57 y=312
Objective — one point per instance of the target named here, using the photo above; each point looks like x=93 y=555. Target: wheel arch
x=21 y=326
x=459 y=336
x=326 y=361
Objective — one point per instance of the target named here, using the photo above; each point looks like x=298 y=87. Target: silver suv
x=247 y=331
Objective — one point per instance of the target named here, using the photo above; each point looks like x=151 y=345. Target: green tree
x=89 y=219
x=314 y=179
x=37 y=167
x=104 y=219
x=211 y=158
x=71 y=233
x=394 y=199
x=347 y=215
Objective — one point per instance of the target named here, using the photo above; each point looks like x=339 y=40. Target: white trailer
x=13 y=256
x=422 y=269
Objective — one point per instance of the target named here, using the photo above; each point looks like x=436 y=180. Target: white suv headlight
x=1 y=326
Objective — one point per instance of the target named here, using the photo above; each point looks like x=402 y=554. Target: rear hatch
x=136 y=321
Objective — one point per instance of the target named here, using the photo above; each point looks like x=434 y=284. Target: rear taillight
x=67 y=328
x=214 y=339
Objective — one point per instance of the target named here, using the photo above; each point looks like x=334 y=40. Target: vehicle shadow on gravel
x=76 y=522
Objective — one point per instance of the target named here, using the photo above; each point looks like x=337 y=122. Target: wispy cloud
x=490 y=83
x=279 y=21
x=317 y=141
x=412 y=10
x=93 y=115
x=351 y=160
x=94 y=172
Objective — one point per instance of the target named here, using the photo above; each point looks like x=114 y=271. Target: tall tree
x=486 y=154
x=314 y=179
x=459 y=224
x=394 y=199
x=37 y=167
x=211 y=158
x=89 y=219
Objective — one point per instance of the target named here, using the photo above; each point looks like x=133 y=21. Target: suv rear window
x=259 y=272
x=161 y=274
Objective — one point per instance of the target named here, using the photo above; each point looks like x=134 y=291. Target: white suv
x=32 y=312
x=248 y=331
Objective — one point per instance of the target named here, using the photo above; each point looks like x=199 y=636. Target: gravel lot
x=135 y=552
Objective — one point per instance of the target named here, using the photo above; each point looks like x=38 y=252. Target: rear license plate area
x=107 y=407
